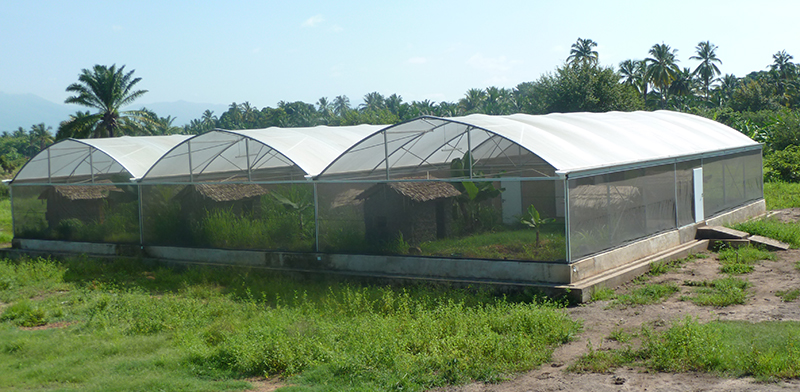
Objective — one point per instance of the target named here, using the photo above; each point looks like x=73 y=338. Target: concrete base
x=579 y=279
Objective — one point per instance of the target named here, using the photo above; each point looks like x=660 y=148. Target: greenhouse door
x=699 y=214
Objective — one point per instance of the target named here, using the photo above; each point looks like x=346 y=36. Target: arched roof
x=271 y=153
x=81 y=160
x=566 y=142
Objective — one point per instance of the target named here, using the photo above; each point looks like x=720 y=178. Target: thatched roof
x=80 y=192
x=601 y=196
x=418 y=191
x=229 y=192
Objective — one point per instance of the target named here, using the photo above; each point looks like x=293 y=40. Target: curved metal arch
x=80 y=141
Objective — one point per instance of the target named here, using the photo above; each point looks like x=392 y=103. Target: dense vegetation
x=84 y=324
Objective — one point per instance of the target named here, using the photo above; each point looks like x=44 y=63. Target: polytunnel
x=242 y=189
x=82 y=189
x=556 y=187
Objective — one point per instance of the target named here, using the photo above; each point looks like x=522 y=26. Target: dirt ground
x=600 y=320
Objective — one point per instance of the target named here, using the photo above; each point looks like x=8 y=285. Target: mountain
x=24 y=110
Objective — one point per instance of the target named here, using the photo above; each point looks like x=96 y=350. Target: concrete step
x=582 y=291
x=720 y=233
x=769 y=243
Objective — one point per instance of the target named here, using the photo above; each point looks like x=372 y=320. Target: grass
x=788 y=295
x=780 y=195
x=718 y=292
x=766 y=350
x=6 y=231
x=647 y=294
x=771 y=228
x=737 y=261
x=131 y=325
x=512 y=245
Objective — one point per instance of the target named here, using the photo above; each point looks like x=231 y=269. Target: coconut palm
x=634 y=73
x=108 y=90
x=583 y=52
x=473 y=100
x=662 y=69
x=373 y=102
x=783 y=70
x=341 y=105
x=706 y=70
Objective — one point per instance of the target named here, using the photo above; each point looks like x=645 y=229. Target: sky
x=263 y=52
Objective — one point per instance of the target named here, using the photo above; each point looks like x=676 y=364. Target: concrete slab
x=769 y=243
x=720 y=233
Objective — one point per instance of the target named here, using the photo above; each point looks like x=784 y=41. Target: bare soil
x=600 y=320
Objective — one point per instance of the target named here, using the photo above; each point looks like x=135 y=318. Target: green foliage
x=603 y=294
x=533 y=220
x=766 y=350
x=741 y=260
x=788 y=295
x=780 y=195
x=23 y=313
x=147 y=326
x=503 y=244
x=783 y=165
x=646 y=294
x=719 y=292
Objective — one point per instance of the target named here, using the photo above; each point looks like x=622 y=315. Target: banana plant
x=534 y=220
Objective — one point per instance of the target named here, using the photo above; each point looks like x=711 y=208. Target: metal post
x=247 y=152
x=566 y=218
x=469 y=149
x=189 y=150
x=49 y=175
x=316 y=218
x=386 y=153
x=675 y=186
x=91 y=163
x=141 y=216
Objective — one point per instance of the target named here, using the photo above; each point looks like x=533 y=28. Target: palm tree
x=706 y=70
x=727 y=84
x=341 y=105
x=38 y=138
x=373 y=102
x=662 y=68
x=783 y=71
x=108 y=90
x=634 y=73
x=473 y=100
x=583 y=52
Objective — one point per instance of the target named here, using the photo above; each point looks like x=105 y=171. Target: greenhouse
x=427 y=197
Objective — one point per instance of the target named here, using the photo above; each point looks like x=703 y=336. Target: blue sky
x=266 y=51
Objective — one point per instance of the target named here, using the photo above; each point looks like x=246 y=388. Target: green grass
x=737 y=261
x=771 y=228
x=719 y=292
x=512 y=245
x=780 y=195
x=647 y=294
x=133 y=325
x=603 y=294
x=788 y=295
x=766 y=350
x=6 y=231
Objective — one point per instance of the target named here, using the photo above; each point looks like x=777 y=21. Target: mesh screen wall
x=230 y=216
x=441 y=219
x=608 y=210
x=104 y=212
x=730 y=181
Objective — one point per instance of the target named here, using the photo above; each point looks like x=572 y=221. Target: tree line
x=762 y=104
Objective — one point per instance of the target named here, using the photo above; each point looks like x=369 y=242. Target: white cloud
x=313 y=21
x=417 y=60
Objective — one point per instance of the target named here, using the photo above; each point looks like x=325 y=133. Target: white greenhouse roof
x=80 y=160
x=226 y=154
x=568 y=142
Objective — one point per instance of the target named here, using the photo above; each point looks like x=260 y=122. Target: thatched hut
x=240 y=199
x=82 y=202
x=418 y=210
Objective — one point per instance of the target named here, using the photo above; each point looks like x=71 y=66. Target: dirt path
x=600 y=321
